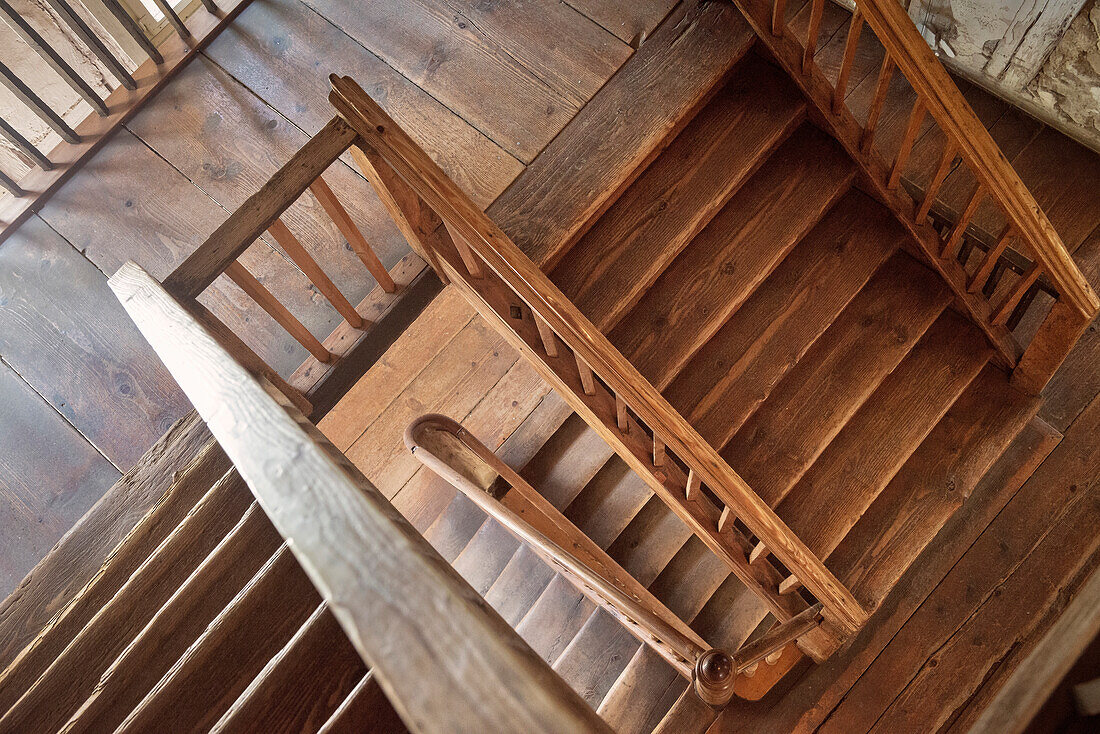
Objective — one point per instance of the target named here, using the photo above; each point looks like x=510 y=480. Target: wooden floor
x=486 y=86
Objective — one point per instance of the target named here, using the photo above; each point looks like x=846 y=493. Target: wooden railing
x=450 y=451
x=445 y=660
x=994 y=306
x=599 y=383
x=49 y=169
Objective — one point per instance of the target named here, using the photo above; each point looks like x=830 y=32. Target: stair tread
x=551 y=624
x=689 y=579
x=519 y=585
x=932 y=484
x=817 y=396
x=640 y=696
x=596 y=656
x=734 y=254
x=730 y=615
x=649 y=541
x=179 y=622
x=452 y=530
x=737 y=369
x=689 y=715
x=486 y=555
x=567 y=461
x=301 y=687
x=627 y=248
x=609 y=502
x=867 y=453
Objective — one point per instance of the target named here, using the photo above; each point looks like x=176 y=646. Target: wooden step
x=47 y=610
x=932 y=485
x=597 y=655
x=609 y=502
x=740 y=247
x=843 y=367
x=486 y=555
x=689 y=715
x=738 y=368
x=620 y=256
x=862 y=459
x=220 y=664
x=730 y=616
x=178 y=623
x=519 y=585
x=644 y=692
x=689 y=579
x=366 y=709
x=73 y=674
x=555 y=619
x=650 y=541
x=302 y=686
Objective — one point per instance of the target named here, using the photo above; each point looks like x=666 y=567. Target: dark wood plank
x=733 y=255
x=304 y=683
x=932 y=485
x=638 y=696
x=519 y=585
x=465 y=58
x=550 y=625
x=631 y=22
x=129 y=204
x=365 y=709
x=486 y=555
x=567 y=462
x=843 y=367
x=64 y=332
x=650 y=541
x=609 y=502
x=689 y=579
x=79 y=555
x=273 y=49
x=610 y=268
x=596 y=657
x=49 y=476
x=229 y=143
x=735 y=372
x=179 y=622
x=872 y=447
x=662 y=85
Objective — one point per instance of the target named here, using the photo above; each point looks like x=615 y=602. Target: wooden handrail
x=445 y=660
x=946 y=104
x=381 y=135
x=449 y=450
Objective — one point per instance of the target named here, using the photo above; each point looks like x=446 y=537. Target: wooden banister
x=379 y=134
x=445 y=660
x=946 y=104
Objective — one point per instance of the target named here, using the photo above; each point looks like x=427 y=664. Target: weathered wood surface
x=506 y=681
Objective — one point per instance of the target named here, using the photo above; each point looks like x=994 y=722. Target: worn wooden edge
x=123 y=105
x=76 y=559
x=357 y=550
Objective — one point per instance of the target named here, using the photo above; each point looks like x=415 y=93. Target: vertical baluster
x=725 y=520
x=620 y=415
x=134 y=30
x=549 y=338
x=658 y=450
x=758 y=551
x=877 y=101
x=11 y=186
x=210 y=5
x=1013 y=297
x=91 y=40
x=469 y=259
x=339 y=215
x=173 y=20
x=24 y=145
x=1022 y=307
x=812 y=33
x=412 y=216
x=841 y=90
x=16 y=86
x=991 y=257
x=691 y=489
x=313 y=271
x=938 y=177
x=51 y=57
x=267 y=301
x=789 y=585
x=990 y=286
x=916 y=117
x=963 y=223
x=779 y=11
x=588 y=382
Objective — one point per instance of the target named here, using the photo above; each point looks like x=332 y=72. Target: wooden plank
x=100 y=374
x=70 y=678
x=365 y=709
x=689 y=579
x=735 y=372
x=519 y=585
x=610 y=268
x=808 y=407
x=131 y=204
x=252 y=218
x=875 y=443
x=555 y=619
x=596 y=656
x=78 y=556
x=229 y=143
x=293 y=83
x=632 y=23
x=718 y=270
x=301 y=687
x=608 y=502
x=665 y=82
x=96 y=131
x=467 y=57
x=639 y=694
x=49 y=476
x=179 y=622
x=649 y=541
